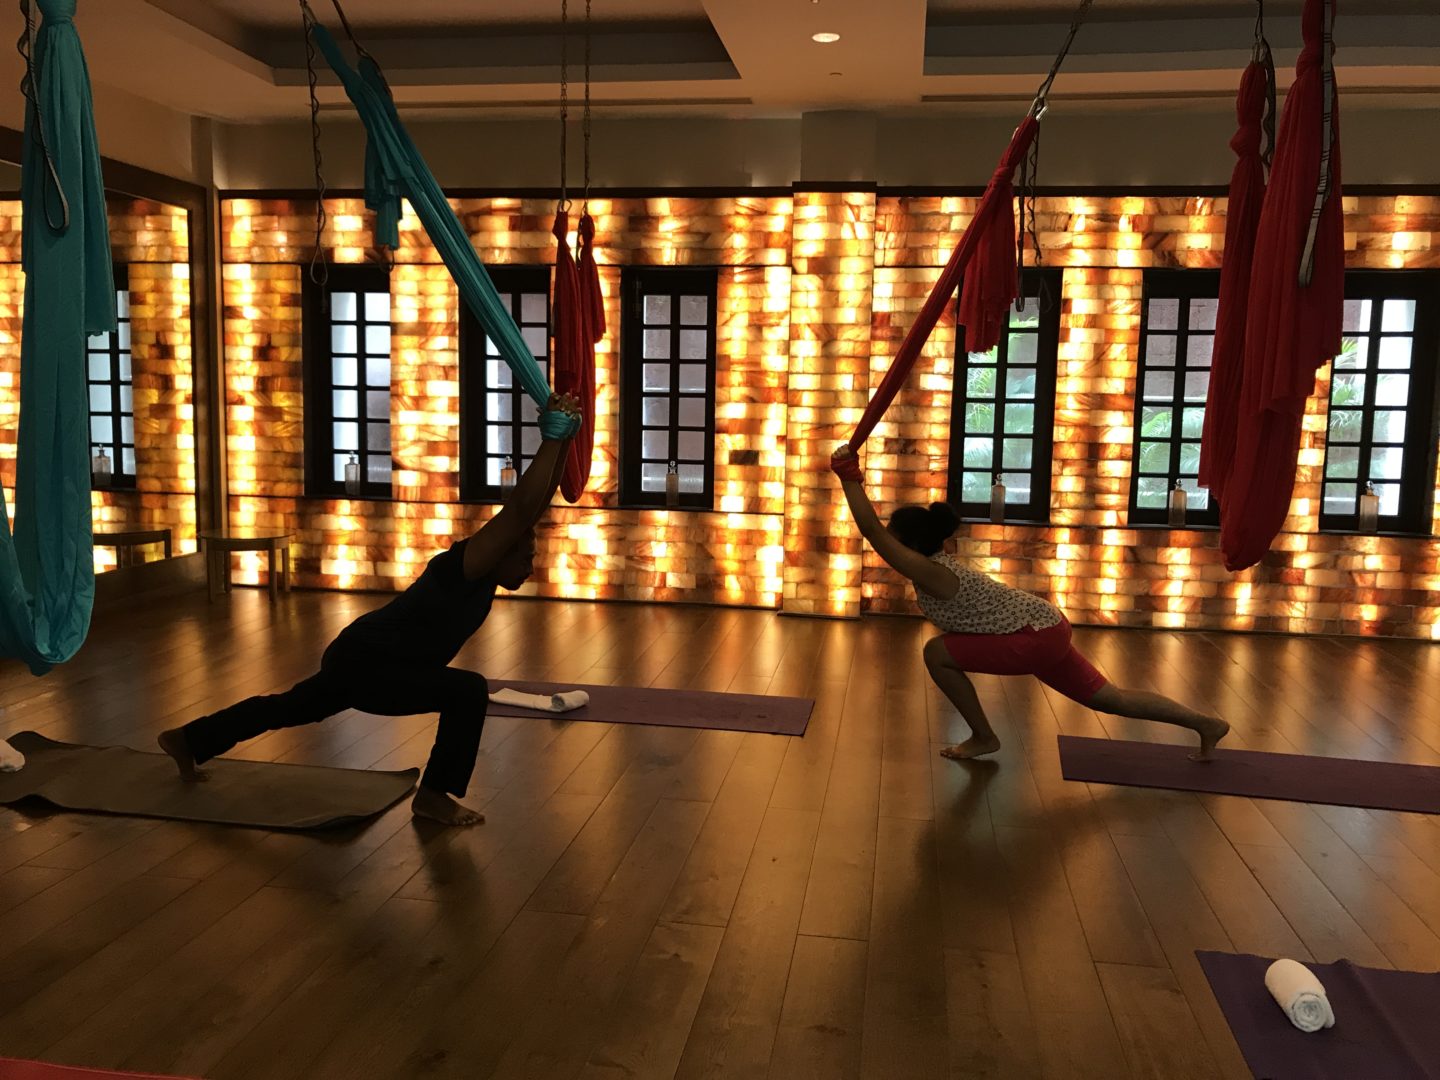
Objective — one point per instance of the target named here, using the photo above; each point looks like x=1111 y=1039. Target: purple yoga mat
x=670 y=708
x=1387 y=1023
x=1375 y=785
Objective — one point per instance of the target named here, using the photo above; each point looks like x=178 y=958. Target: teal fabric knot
x=555 y=424
x=395 y=172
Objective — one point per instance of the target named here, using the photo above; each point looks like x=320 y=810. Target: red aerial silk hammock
x=1242 y=221
x=592 y=308
x=576 y=298
x=988 y=243
x=1297 y=291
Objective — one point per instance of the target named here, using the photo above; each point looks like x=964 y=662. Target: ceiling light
x=825 y=37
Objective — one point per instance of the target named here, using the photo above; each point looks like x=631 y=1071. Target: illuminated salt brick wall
x=594 y=549
x=832 y=270
x=152 y=240
x=1086 y=559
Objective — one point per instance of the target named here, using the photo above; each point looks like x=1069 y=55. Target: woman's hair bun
x=925 y=528
x=945 y=517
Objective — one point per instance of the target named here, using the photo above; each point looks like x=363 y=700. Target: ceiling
x=244 y=60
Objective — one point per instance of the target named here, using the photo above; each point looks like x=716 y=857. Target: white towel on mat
x=11 y=760
x=1297 y=991
x=561 y=702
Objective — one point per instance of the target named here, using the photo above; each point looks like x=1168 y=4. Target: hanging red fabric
x=1291 y=329
x=990 y=289
x=1242 y=221
x=568 y=362
x=588 y=317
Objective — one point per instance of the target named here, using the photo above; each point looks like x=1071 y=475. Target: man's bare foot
x=173 y=743
x=437 y=806
x=972 y=747
x=1211 y=732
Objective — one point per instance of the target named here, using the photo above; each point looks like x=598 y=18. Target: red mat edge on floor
x=15 y=1069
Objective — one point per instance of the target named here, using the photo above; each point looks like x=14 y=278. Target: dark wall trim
x=881 y=190
x=526 y=193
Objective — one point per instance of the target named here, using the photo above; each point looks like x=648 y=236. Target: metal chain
x=345 y=24
x=1038 y=107
x=1032 y=171
x=26 y=47
x=1327 y=142
x=564 y=95
x=585 y=123
x=319 y=265
x=1029 y=167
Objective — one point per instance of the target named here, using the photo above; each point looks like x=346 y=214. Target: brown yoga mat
x=262 y=794
x=1387 y=1023
x=670 y=708
x=1373 y=785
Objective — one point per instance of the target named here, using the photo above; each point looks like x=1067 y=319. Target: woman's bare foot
x=972 y=747
x=173 y=743
x=1211 y=732
x=437 y=806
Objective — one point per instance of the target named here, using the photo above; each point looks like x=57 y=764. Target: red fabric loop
x=988 y=287
x=574 y=359
x=997 y=203
x=1242 y=220
x=1290 y=330
x=847 y=468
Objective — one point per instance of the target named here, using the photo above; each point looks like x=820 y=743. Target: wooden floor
x=650 y=902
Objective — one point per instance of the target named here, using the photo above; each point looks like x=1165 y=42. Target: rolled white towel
x=1298 y=992
x=11 y=760
x=562 y=702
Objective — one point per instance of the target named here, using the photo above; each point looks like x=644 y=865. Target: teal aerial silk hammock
x=395 y=170
x=47 y=576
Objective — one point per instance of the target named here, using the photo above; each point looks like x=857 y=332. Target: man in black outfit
x=393 y=661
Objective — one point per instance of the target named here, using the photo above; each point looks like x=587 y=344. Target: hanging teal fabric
x=47 y=578
x=395 y=170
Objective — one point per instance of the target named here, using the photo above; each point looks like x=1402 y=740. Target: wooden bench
x=125 y=541
x=218 y=547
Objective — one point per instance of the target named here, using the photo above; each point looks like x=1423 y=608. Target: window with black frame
x=1003 y=409
x=347 y=385
x=1177 y=340
x=499 y=424
x=109 y=382
x=1381 y=424
x=668 y=386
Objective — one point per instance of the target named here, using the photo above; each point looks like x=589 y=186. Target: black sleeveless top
x=428 y=622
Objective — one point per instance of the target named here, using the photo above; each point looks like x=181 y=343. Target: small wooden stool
x=125 y=541
x=218 y=546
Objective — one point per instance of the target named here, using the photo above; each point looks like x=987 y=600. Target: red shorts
x=1046 y=653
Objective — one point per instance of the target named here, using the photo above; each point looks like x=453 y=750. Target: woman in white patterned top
x=991 y=628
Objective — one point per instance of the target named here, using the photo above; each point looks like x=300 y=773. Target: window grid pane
x=110 y=390
x=1177 y=343
x=1379 y=405
x=500 y=425
x=1003 y=407
x=668 y=385
x=350 y=380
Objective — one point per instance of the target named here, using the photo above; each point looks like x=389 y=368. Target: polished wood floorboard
x=656 y=902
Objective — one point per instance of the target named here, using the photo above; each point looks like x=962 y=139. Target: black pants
x=354 y=679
